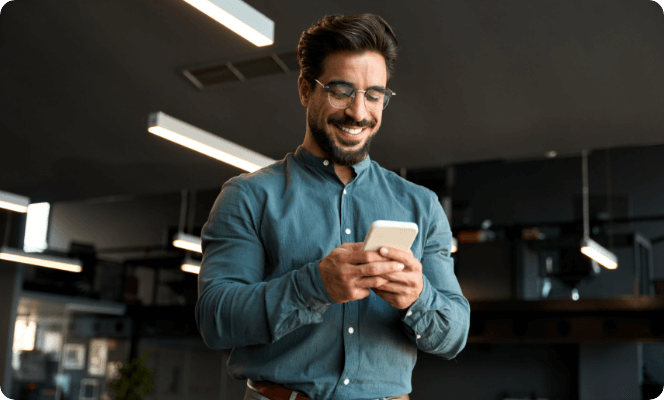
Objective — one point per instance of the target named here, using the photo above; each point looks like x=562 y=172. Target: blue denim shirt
x=261 y=293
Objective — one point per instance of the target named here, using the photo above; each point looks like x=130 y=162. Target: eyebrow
x=342 y=82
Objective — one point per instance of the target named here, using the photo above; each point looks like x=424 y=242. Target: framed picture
x=73 y=356
x=89 y=389
x=98 y=357
x=52 y=342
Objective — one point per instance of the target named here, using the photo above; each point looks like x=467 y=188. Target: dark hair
x=355 y=33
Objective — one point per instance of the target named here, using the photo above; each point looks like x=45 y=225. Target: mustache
x=346 y=120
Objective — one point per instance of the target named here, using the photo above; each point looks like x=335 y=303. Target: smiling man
x=284 y=281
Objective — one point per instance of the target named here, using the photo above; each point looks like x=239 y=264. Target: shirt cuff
x=312 y=289
x=413 y=315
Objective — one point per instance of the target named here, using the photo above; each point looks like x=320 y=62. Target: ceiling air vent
x=209 y=76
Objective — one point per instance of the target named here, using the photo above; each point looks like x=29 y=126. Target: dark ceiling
x=476 y=80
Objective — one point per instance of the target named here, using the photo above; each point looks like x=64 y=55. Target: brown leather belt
x=277 y=392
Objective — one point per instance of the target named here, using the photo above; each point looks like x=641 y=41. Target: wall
x=124 y=222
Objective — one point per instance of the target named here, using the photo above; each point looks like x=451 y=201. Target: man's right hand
x=348 y=272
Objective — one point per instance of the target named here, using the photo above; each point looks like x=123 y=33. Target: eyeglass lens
x=374 y=100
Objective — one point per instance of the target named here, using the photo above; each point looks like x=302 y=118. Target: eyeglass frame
x=353 y=94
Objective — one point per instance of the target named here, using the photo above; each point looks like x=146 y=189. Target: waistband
x=274 y=391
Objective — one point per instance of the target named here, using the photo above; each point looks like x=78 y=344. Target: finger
x=372 y=282
x=396 y=277
x=391 y=287
x=380 y=268
x=395 y=254
x=364 y=257
x=387 y=296
x=352 y=245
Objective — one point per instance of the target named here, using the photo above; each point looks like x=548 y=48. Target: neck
x=343 y=172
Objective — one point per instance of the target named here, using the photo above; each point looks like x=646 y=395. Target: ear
x=305 y=91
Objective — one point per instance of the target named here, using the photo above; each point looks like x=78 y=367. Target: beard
x=336 y=153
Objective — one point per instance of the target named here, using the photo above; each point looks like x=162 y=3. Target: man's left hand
x=404 y=287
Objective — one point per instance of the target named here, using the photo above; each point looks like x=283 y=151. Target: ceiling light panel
x=598 y=253
x=239 y=17
x=204 y=142
x=191 y=266
x=41 y=260
x=187 y=242
x=14 y=202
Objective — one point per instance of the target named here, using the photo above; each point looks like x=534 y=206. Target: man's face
x=328 y=126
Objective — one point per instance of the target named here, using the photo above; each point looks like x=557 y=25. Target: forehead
x=362 y=69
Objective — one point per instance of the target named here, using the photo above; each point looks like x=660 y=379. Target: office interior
x=537 y=124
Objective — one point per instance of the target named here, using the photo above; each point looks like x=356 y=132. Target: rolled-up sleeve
x=235 y=306
x=439 y=320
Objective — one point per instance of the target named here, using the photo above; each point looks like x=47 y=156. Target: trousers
x=252 y=395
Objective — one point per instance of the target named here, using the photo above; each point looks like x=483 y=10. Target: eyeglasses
x=341 y=96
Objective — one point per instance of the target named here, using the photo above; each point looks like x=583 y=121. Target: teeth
x=351 y=131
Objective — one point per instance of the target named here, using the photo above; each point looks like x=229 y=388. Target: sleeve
x=439 y=320
x=235 y=306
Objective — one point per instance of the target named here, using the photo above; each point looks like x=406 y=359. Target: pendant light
x=204 y=142
x=14 y=202
x=239 y=17
x=590 y=247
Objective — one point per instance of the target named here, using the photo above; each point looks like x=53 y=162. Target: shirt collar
x=301 y=154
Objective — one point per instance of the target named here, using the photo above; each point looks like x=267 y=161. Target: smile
x=350 y=130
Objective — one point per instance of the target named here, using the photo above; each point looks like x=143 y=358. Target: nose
x=357 y=109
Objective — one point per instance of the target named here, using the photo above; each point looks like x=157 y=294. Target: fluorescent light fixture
x=204 y=142
x=187 y=242
x=14 y=202
x=36 y=227
x=41 y=260
x=191 y=266
x=239 y=17
x=455 y=245
x=598 y=253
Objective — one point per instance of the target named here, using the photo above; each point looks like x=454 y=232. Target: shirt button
x=409 y=313
x=419 y=336
x=347 y=381
x=347 y=231
x=326 y=163
x=351 y=330
x=344 y=191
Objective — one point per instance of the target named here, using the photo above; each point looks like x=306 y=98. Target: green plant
x=135 y=380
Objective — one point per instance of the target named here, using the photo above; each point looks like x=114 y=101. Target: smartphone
x=399 y=235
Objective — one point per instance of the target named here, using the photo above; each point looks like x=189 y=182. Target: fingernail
x=383 y=250
x=400 y=266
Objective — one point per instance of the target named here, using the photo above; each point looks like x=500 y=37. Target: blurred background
x=497 y=103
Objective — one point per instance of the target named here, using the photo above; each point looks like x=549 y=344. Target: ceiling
x=476 y=80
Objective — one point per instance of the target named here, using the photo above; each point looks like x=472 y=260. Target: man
x=284 y=281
